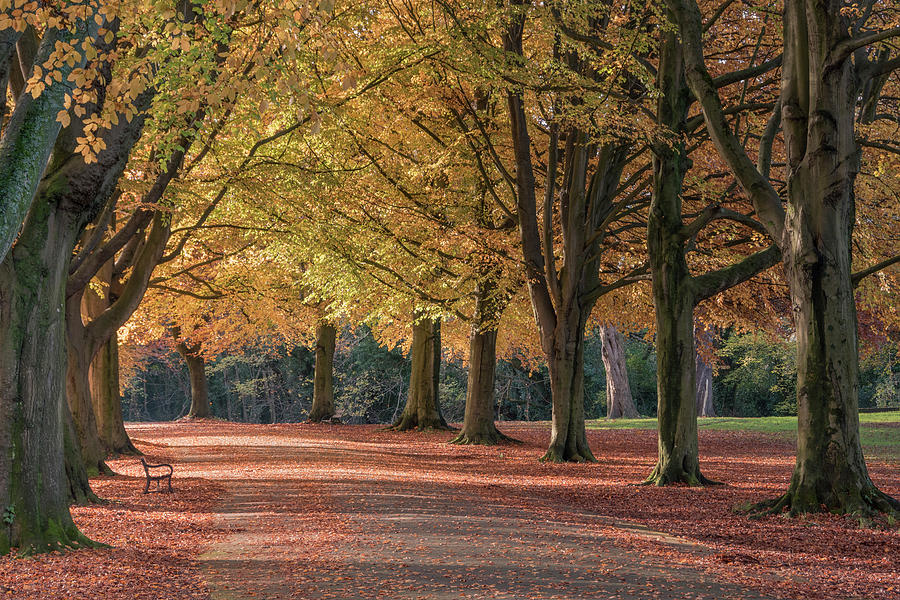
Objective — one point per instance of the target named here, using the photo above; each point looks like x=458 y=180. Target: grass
x=880 y=432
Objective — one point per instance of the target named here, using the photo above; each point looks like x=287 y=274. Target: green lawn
x=880 y=431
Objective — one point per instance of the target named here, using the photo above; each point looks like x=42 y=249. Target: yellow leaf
x=64 y=118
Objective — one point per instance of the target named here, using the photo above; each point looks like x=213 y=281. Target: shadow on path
x=310 y=521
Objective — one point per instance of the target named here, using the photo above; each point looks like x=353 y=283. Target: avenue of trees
x=482 y=195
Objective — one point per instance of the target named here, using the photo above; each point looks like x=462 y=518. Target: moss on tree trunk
x=34 y=491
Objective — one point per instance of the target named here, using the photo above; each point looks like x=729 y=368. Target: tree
x=704 y=372
x=192 y=355
x=619 y=403
x=593 y=161
x=323 y=380
x=826 y=63
x=423 y=410
x=677 y=291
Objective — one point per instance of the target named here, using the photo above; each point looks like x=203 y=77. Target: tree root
x=556 y=455
x=872 y=502
x=412 y=423
x=492 y=438
x=663 y=477
x=57 y=539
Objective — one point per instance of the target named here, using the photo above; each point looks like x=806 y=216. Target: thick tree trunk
x=78 y=394
x=568 y=438
x=705 y=406
x=107 y=401
x=323 y=381
x=823 y=157
x=199 y=385
x=423 y=409
x=32 y=130
x=619 y=402
x=478 y=421
x=34 y=494
x=104 y=375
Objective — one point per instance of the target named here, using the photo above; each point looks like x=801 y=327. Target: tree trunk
x=32 y=130
x=323 y=381
x=423 y=409
x=478 y=421
x=705 y=406
x=619 y=402
x=199 y=386
x=674 y=295
x=823 y=157
x=104 y=375
x=79 y=485
x=34 y=494
x=107 y=401
x=78 y=394
x=568 y=438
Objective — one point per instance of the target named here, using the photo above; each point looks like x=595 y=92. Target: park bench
x=157 y=476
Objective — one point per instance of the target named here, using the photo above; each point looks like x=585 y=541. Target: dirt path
x=349 y=520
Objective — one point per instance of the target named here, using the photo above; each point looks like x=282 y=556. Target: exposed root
x=491 y=438
x=412 y=423
x=872 y=502
x=555 y=455
x=673 y=476
x=127 y=450
x=57 y=539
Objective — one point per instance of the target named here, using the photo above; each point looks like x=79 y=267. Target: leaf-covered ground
x=301 y=511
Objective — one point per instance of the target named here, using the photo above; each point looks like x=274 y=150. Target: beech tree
x=619 y=403
x=676 y=291
x=827 y=64
x=564 y=290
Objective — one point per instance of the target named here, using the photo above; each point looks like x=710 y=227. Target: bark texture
x=104 y=373
x=823 y=76
x=820 y=90
x=199 y=385
x=619 y=402
x=30 y=135
x=481 y=406
x=323 y=380
x=34 y=494
x=422 y=410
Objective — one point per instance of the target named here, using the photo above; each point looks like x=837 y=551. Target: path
x=349 y=520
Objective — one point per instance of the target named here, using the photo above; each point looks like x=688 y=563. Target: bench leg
x=147 y=486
